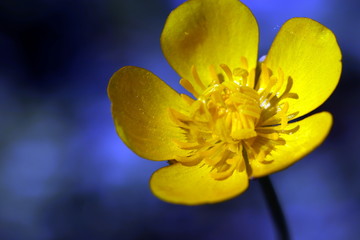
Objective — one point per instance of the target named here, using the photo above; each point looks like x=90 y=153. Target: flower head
x=242 y=121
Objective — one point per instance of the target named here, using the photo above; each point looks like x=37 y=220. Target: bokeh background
x=64 y=173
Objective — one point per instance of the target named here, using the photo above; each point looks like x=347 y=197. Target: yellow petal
x=312 y=132
x=140 y=109
x=201 y=33
x=193 y=185
x=307 y=52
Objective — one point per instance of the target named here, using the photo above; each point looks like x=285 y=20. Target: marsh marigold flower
x=242 y=121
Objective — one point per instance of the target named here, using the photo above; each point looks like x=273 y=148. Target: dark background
x=64 y=173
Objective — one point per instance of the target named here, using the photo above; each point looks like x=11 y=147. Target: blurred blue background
x=64 y=173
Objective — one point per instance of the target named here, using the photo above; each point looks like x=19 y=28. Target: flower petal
x=193 y=185
x=140 y=109
x=201 y=33
x=312 y=132
x=307 y=52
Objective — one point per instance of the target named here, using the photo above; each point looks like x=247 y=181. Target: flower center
x=233 y=122
x=230 y=110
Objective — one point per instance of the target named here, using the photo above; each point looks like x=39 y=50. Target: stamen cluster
x=235 y=120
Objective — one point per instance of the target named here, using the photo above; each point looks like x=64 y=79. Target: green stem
x=275 y=208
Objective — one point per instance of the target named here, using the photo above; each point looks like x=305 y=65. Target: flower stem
x=275 y=208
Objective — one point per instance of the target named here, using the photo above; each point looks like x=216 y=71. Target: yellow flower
x=242 y=122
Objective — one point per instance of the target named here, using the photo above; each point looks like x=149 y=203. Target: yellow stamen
x=231 y=122
x=189 y=87
x=187 y=99
x=197 y=78
x=227 y=71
